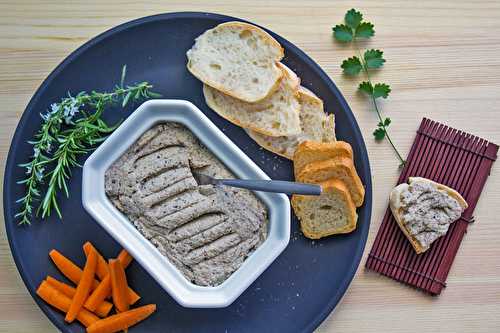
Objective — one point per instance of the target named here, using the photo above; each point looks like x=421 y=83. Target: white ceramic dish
x=116 y=224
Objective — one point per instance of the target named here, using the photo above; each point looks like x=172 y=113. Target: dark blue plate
x=294 y=294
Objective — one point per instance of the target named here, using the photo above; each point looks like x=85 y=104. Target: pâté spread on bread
x=424 y=210
x=206 y=231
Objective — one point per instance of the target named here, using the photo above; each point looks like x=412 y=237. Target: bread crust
x=328 y=186
x=396 y=207
x=286 y=73
x=264 y=144
x=268 y=39
x=322 y=150
x=247 y=26
x=310 y=172
x=304 y=94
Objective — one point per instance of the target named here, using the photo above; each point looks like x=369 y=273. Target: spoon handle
x=277 y=186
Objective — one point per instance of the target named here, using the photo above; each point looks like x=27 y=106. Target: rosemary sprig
x=80 y=139
x=353 y=28
x=69 y=139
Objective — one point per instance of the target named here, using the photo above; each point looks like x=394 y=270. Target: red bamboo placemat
x=451 y=157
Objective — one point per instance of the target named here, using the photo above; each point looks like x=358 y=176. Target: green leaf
x=379 y=133
x=152 y=94
x=351 y=66
x=124 y=72
x=353 y=18
x=366 y=87
x=373 y=58
x=56 y=206
x=365 y=30
x=342 y=33
x=381 y=90
x=127 y=97
x=387 y=122
x=69 y=143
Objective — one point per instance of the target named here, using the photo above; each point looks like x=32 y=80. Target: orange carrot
x=121 y=321
x=102 y=310
x=102 y=265
x=68 y=268
x=104 y=288
x=99 y=294
x=62 y=302
x=118 y=285
x=83 y=287
x=125 y=258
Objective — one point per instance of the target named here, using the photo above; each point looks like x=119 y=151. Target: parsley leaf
x=373 y=58
x=381 y=90
x=365 y=30
x=353 y=18
x=342 y=33
x=377 y=90
x=352 y=66
x=379 y=133
x=366 y=87
x=352 y=29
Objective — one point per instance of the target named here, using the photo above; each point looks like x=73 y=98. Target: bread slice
x=277 y=115
x=315 y=125
x=340 y=168
x=397 y=207
x=238 y=59
x=333 y=212
x=311 y=151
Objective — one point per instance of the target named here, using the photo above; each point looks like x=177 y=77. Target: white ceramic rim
x=158 y=266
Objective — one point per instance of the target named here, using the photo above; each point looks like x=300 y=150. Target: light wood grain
x=442 y=63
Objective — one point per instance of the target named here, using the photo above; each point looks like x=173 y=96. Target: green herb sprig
x=355 y=28
x=69 y=129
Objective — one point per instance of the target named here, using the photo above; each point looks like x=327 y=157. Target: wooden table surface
x=442 y=62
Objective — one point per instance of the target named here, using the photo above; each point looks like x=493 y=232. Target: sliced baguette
x=238 y=59
x=310 y=151
x=277 y=115
x=396 y=207
x=340 y=168
x=315 y=125
x=333 y=212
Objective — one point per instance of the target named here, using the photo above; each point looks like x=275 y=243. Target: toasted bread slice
x=315 y=124
x=333 y=212
x=397 y=208
x=238 y=59
x=277 y=115
x=340 y=168
x=311 y=151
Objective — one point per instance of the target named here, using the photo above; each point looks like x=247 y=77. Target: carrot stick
x=118 y=285
x=102 y=310
x=68 y=268
x=102 y=265
x=125 y=258
x=62 y=302
x=121 y=321
x=99 y=294
x=83 y=287
x=104 y=289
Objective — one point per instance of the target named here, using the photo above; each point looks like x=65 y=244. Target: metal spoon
x=277 y=186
